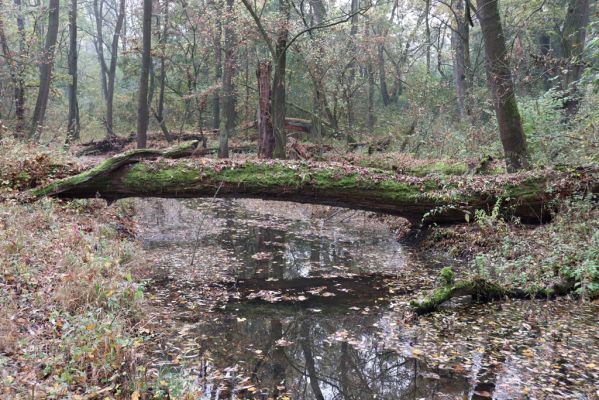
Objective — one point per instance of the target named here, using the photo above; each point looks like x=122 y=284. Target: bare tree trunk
x=371 y=85
x=500 y=81
x=47 y=63
x=73 y=118
x=460 y=42
x=13 y=69
x=278 y=83
x=427 y=25
x=20 y=88
x=228 y=95
x=266 y=136
x=573 y=38
x=383 y=75
x=218 y=73
x=355 y=5
x=146 y=59
x=108 y=71
x=159 y=115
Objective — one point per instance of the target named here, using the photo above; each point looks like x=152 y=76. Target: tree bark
x=266 y=136
x=46 y=66
x=573 y=38
x=146 y=59
x=460 y=41
x=278 y=83
x=428 y=199
x=499 y=76
x=73 y=118
x=228 y=95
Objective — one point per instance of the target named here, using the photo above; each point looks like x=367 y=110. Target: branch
x=260 y=28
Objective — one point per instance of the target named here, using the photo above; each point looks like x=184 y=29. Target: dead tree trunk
x=46 y=65
x=146 y=59
x=432 y=198
x=73 y=118
x=500 y=81
x=266 y=137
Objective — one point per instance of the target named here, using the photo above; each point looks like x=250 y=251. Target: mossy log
x=483 y=290
x=434 y=198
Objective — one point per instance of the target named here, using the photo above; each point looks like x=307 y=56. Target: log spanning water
x=432 y=198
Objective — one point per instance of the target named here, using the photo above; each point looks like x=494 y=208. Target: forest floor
x=71 y=305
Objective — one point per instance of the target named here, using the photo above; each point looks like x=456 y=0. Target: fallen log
x=482 y=290
x=432 y=198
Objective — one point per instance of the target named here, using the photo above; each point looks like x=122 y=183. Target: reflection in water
x=305 y=301
x=300 y=301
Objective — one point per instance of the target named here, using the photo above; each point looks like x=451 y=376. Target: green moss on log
x=483 y=290
x=107 y=166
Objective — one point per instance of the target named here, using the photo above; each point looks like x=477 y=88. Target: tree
x=45 y=69
x=146 y=60
x=460 y=43
x=108 y=70
x=266 y=136
x=73 y=118
x=499 y=77
x=13 y=61
x=228 y=94
x=162 y=79
x=573 y=38
x=279 y=90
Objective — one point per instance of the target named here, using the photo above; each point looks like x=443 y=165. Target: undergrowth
x=68 y=303
x=528 y=257
x=25 y=165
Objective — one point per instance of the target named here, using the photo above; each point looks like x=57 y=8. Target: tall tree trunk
x=502 y=87
x=427 y=26
x=383 y=75
x=460 y=42
x=146 y=59
x=47 y=63
x=218 y=73
x=544 y=49
x=73 y=118
x=355 y=5
x=20 y=89
x=163 y=41
x=278 y=83
x=573 y=38
x=371 y=84
x=108 y=70
x=266 y=136
x=228 y=95
x=13 y=69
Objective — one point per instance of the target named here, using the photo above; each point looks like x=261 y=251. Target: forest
x=299 y=199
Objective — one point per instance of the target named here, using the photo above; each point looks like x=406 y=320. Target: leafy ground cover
x=68 y=304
